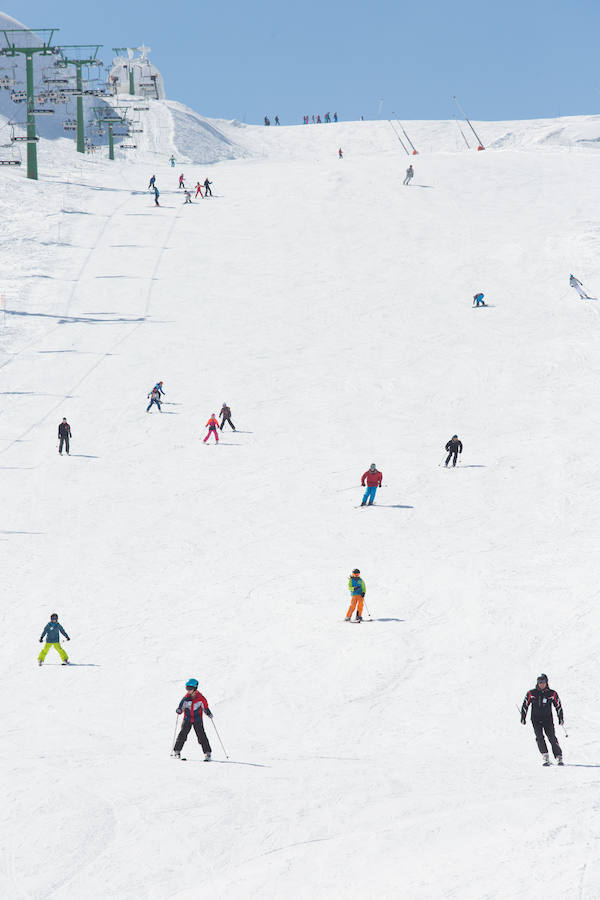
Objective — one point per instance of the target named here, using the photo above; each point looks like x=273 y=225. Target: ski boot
x=364 y=503
x=358 y=618
x=546 y=757
x=347 y=619
x=207 y=756
x=65 y=663
x=177 y=754
x=559 y=761
x=40 y=662
x=370 y=503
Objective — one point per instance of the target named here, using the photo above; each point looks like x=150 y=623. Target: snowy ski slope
x=331 y=308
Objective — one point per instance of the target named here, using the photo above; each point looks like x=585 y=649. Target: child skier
x=154 y=398
x=181 y=182
x=357 y=589
x=409 y=174
x=188 y=197
x=192 y=705
x=575 y=283
x=453 y=447
x=340 y=154
x=52 y=633
x=374 y=478
x=207 y=189
x=198 y=190
x=213 y=428
x=64 y=436
x=225 y=415
x=541 y=699
x=478 y=299
x=159 y=387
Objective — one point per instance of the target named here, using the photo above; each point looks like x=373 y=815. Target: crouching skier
x=193 y=705
x=357 y=589
x=542 y=698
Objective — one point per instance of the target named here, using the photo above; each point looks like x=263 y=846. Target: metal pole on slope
x=467 y=120
x=219 y=736
x=174 y=735
x=379 y=108
x=462 y=133
x=398 y=136
x=415 y=151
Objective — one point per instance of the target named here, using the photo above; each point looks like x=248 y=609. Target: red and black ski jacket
x=192 y=706
x=541 y=702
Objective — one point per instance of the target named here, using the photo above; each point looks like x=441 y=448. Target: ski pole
x=219 y=736
x=564 y=729
x=367 y=608
x=174 y=734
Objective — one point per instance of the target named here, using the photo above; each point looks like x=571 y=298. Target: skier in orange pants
x=358 y=589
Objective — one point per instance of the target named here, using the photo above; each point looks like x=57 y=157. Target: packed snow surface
x=330 y=307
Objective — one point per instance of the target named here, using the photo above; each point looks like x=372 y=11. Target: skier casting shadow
x=453 y=448
x=541 y=699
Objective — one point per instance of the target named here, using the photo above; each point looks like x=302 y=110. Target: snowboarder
x=225 y=415
x=409 y=174
x=64 y=436
x=188 y=197
x=156 y=196
x=52 y=633
x=213 y=428
x=478 y=299
x=357 y=589
x=172 y=161
x=542 y=698
x=207 y=189
x=154 y=398
x=453 y=447
x=340 y=154
x=192 y=705
x=181 y=181
x=575 y=283
x=151 y=183
x=198 y=190
x=374 y=478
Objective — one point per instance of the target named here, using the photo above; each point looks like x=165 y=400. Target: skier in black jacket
x=64 y=436
x=454 y=447
x=541 y=698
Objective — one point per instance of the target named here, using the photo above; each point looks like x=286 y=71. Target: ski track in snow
x=330 y=306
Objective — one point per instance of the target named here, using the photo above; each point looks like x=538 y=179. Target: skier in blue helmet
x=193 y=705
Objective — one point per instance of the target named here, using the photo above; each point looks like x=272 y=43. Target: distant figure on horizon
x=277 y=120
x=409 y=174
x=64 y=436
x=267 y=120
x=198 y=190
x=335 y=117
x=207 y=189
x=340 y=154
x=478 y=299
x=575 y=283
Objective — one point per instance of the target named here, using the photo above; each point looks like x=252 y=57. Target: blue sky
x=509 y=60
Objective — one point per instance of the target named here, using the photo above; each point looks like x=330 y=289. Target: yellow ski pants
x=57 y=647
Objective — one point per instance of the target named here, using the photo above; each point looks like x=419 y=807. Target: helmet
x=356 y=571
x=160 y=382
x=372 y=467
x=54 y=615
x=192 y=682
x=454 y=437
x=542 y=677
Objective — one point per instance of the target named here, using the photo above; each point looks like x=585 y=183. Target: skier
x=172 y=161
x=188 y=197
x=156 y=196
x=154 y=398
x=277 y=120
x=198 y=190
x=374 y=479
x=52 y=633
x=340 y=154
x=213 y=428
x=575 y=283
x=151 y=184
x=207 y=189
x=478 y=299
x=454 y=447
x=64 y=436
x=181 y=181
x=542 y=698
x=409 y=174
x=192 y=705
x=226 y=416
x=159 y=387
x=267 y=120
x=357 y=589
x=335 y=117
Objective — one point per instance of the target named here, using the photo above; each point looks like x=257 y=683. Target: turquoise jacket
x=53 y=631
x=356 y=586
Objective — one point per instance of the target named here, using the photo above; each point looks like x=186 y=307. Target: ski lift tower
x=115 y=117
x=31 y=40
x=82 y=55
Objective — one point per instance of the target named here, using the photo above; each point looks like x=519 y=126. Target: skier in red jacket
x=213 y=428
x=373 y=478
